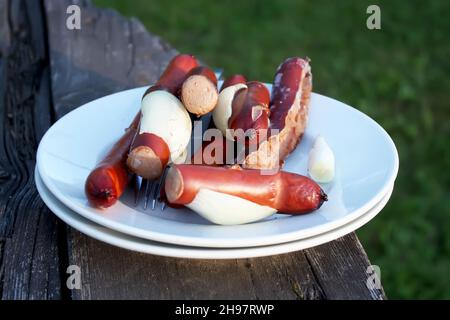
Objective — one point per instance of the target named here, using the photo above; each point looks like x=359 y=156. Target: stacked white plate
x=366 y=168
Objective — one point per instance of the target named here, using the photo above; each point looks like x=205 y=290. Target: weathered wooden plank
x=29 y=261
x=341 y=269
x=111 y=53
x=112 y=273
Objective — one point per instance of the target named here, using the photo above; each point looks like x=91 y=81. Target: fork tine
x=144 y=189
x=157 y=190
x=150 y=193
x=219 y=73
x=136 y=188
x=154 y=194
x=146 y=183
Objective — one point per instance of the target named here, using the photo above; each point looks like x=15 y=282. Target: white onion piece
x=165 y=116
x=225 y=209
x=222 y=112
x=321 y=162
x=182 y=158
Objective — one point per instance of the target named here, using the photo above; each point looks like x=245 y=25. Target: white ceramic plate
x=366 y=161
x=147 y=246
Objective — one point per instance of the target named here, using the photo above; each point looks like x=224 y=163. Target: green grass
x=398 y=75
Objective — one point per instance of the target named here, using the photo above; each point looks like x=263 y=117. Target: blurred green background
x=398 y=75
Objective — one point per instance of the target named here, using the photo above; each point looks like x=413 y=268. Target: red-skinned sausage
x=175 y=74
x=234 y=79
x=288 y=114
x=150 y=153
x=286 y=192
x=250 y=111
x=217 y=152
x=106 y=183
x=199 y=91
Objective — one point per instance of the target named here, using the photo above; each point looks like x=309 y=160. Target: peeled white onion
x=222 y=112
x=225 y=209
x=182 y=158
x=321 y=162
x=165 y=116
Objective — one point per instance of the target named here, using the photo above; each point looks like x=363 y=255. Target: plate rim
x=221 y=242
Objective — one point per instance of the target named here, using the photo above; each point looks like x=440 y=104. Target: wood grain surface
x=29 y=252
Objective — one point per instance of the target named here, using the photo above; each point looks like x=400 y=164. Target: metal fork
x=145 y=189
